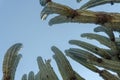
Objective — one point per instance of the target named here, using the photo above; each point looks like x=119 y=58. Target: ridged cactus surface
x=103 y=61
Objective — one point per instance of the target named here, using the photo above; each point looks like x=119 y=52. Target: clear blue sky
x=20 y=22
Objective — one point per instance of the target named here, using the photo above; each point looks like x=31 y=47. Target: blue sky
x=20 y=23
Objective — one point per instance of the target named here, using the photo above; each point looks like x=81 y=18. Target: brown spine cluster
x=103 y=18
x=73 y=14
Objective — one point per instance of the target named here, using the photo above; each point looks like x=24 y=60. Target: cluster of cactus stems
x=88 y=55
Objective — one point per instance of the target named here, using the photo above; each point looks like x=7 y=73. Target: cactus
x=10 y=62
x=88 y=55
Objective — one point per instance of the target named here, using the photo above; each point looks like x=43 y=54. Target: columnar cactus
x=88 y=55
x=10 y=62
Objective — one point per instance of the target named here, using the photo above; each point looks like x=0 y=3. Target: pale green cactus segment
x=66 y=70
x=81 y=53
x=90 y=47
x=82 y=61
x=107 y=64
x=117 y=41
x=17 y=60
x=108 y=31
x=9 y=59
x=42 y=67
x=108 y=50
x=37 y=76
x=55 y=8
x=50 y=69
x=31 y=75
x=108 y=76
x=93 y=3
x=24 y=77
x=46 y=71
x=102 y=39
x=59 y=19
x=78 y=76
x=41 y=64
